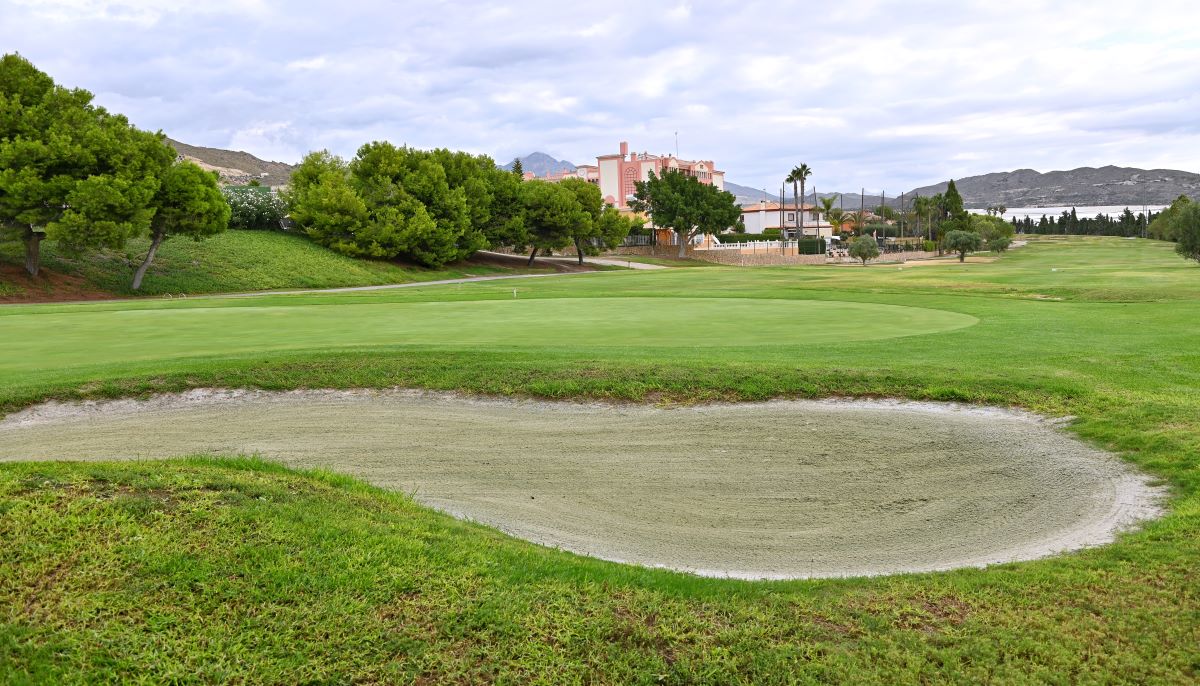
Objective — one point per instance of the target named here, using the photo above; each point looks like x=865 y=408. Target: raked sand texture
x=781 y=489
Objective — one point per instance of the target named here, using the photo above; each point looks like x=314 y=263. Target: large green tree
x=1164 y=227
x=552 y=215
x=69 y=170
x=430 y=207
x=952 y=202
x=682 y=204
x=605 y=225
x=188 y=203
x=1187 y=232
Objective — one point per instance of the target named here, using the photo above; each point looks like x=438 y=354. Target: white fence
x=752 y=246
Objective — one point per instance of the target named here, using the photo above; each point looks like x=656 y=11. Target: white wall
x=610 y=182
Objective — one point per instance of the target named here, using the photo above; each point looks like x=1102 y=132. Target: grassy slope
x=231 y=262
x=215 y=571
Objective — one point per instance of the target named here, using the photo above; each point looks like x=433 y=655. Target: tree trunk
x=141 y=271
x=800 y=216
x=579 y=250
x=796 y=198
x=962 y=257
x=33 y=251
x=531 y=256
x=683 y=241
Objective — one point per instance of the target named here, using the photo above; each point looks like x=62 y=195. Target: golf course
x=979 y=472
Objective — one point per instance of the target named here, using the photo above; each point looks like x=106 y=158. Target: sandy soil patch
x=782 y=489
x=948 y=260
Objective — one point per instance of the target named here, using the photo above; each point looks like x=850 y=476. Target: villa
x=763 y=215
x=617 y=173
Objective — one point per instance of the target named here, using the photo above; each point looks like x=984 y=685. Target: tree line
x=1070 y=223
x=438 y=206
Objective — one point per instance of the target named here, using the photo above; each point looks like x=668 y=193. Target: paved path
x=607 y=261
x=385 y=287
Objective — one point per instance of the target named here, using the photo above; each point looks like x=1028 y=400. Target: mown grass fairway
x=217 y=570
x=77 y=337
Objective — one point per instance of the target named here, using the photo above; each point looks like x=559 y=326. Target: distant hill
x=1084 y=186
x=235 y=166
x=746 y=195
x=541 y=164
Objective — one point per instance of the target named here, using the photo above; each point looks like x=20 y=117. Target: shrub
x=999 y=243
x=255 y=208
x=963 y=242
x=811 y=246
x=929 y=246
x=864 y=248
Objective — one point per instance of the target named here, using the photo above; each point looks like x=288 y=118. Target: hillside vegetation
x=231 y=262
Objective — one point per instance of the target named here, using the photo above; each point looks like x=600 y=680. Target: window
x=630 y=179
x=791 y=216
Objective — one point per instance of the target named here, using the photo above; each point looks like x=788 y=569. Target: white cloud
x=868 y=93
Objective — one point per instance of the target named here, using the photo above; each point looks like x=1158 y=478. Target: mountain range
x=1084 y=186
x=541 y=164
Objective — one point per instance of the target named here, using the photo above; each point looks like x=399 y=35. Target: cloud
x=868 y=93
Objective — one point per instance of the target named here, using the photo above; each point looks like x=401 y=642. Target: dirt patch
x=950 y=259
x=780 y=489
x=47 y=286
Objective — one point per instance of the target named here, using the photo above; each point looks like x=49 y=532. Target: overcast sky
x=883 y=95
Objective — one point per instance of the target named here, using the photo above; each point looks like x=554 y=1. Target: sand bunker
x=767 y=490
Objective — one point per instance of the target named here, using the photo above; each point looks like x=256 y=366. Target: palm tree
x=799 y=175
x=828 y=210
x=921 y=209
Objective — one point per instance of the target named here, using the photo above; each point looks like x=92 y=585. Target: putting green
x=72 y=338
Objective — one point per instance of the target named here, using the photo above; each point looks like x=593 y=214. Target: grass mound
x=240 y=571
x=230 y=262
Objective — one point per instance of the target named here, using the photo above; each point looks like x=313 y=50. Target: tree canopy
x=69 y=170
x=682 y=204
x=605 y=226
x=431 y=207
x=1187 y=232
x=1165 y=226
x=864 y=248
x=963 y=242
x=553 y=215
x=188 y=203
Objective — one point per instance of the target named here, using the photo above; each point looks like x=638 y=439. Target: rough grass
x=213 y=571
x=231 y=262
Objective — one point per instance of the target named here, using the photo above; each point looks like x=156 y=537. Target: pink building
x=617 y=173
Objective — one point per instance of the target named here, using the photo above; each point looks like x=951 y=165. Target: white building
x=764 y=215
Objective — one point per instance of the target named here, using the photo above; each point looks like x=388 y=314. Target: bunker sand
x=783 y=489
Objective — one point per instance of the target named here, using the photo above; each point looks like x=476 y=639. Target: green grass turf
x=216 y=571
x=78 y=337
x=230 y=262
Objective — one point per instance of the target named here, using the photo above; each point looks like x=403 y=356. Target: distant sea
x=1035 y=213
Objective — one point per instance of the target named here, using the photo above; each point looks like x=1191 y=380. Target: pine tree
x=953 y=202
x=518 y=169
